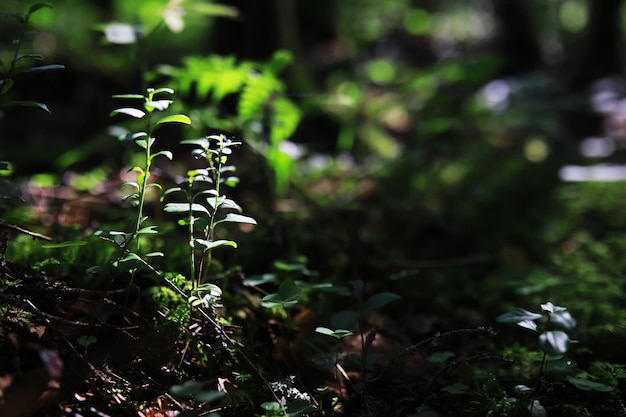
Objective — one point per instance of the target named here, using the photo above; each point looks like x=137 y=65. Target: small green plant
x=8 y=190
x=145 y=140
x=554 y=343
x=15 y=68
x=205 y=202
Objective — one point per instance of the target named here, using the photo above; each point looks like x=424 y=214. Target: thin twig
x=24 y=231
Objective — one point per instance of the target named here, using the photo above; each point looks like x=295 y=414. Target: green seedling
x=150 y=105
x=206 y=206
x=554 y=343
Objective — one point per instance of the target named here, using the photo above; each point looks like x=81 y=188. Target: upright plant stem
x=215 y=168
x=144 y=184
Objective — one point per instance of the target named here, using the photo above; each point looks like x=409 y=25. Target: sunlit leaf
x=338 y=334
x=205 y=245
x=184 y=208
x=131 y=136
x=237 y=218
x=155 y=91
x=554 y=342
x=175 y=118
x=120 y=33
x=169 y=155
x=563 y=320
x=129 y=111
x=134 y=96
x=517 y=315
x=157 y=105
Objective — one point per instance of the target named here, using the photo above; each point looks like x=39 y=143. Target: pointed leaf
x=155 y=91
x=563 y=320
x=129 y=111
x=29 y=103
x=37 y=57
x=205 y=245
x=42 y=68
x=184 y=208
x=157 y=105
x=587 y=385
x=554 y=342
x=137 y=96
x=131 y=136
x=237 y=218
x=338 y=334
x=528 y=324
x=517 y=315
x=169 y=155
x=175 y=118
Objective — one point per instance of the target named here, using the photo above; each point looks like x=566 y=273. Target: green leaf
x=287 y=294
x=214 y=10
x=588 y=385
x=528 y=324
x=6 y=85
x=184 y=208
x=30 y=103
x=38 y=6
x=149 y=230
x=131 y=136
x=42 y=68
x=130 y=261
x=129 y=111
x=155 y=91
x=19 y=57
x=380 y=300
x=440 y=357
x=175 y=118
x=338 y=334
x=259 y=280
x=169 y=155
x=205 y=245
x=457 y=388
x=563 y=320
x=137 y=96
x=554 y=342
x=256 y=93
x=517 y=315
x=157 y=105
x=62 y=245
x=237 y=218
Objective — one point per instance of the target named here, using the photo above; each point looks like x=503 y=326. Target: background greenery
x=414 y=146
